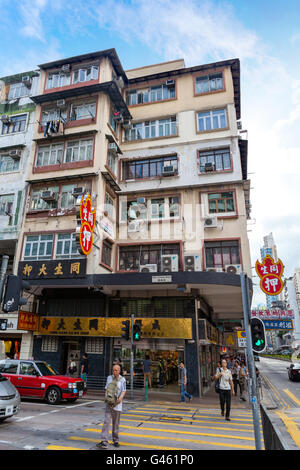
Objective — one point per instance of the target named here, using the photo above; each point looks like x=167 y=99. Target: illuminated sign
x=270 y=274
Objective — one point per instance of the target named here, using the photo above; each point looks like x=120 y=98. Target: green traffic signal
x=258 y=335
x=137 y=330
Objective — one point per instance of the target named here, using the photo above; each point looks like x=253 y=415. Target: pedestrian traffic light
x=13 y=293
x=137 y=330
x=125 y=329
x=258 y=335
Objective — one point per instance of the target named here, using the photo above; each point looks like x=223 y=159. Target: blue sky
x=265 y=35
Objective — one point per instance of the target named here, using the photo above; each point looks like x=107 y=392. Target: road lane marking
x=53 y=447
x=53 y=411
x=291 y=427
x=292 y=396
x=131 y=444
x=194 y=441
x=196 y=421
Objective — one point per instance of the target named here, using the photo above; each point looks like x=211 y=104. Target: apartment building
x=159 y=150
x=17 y=114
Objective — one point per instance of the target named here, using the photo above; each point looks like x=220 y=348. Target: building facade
x=159 y=150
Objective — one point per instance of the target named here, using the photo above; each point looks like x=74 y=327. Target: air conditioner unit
x=49 y=196
x=133 y=226
x=210 y=222
x=26 y=80
x=15 y=154
x=148 y=268
x=66 y=67
x=61 y=103
x=170 y=82
x=168 y=170
x=239 y=125
x=192 y=263
x=209 y=167
x=5 y=118
x=141 y=200
x=127 y=124
x=77 y=191
x=215 y=270
x=169 y=263
x=233 y=268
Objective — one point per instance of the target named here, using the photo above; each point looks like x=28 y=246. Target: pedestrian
x=162 y=373
x=84 y=367
x=147 y=369
x=119 y=363
x=72 y=369
x=242 y=380
x=225 y=388
x=235 y=377
x=115 y=392
x=183 y=382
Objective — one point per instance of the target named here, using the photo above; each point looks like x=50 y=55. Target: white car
x=9 y=399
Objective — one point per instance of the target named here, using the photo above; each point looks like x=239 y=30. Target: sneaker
x=116 y=444
x=102 y=445
x=228 y=419
x=222 y=413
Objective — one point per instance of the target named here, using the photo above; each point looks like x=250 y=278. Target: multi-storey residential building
x=17 y=112
x=159 y=150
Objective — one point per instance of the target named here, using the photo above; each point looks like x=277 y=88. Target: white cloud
x=30 y=12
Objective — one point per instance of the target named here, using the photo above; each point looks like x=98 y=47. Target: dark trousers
x=225 y=398
x=236 y=383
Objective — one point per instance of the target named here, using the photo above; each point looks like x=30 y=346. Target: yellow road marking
x=291 y=427
x=189 y=425
x=292 y=396
x=277 y=393
x=195 y=441
x=151 y=413
x=63 y=448
x=192 y=410
x=131 y=444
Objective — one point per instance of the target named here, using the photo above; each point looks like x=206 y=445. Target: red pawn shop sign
x=270 y=274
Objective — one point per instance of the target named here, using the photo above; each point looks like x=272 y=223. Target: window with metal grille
x=50 y=344
x=94 y=346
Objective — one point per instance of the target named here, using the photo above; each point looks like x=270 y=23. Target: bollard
x=146 y=389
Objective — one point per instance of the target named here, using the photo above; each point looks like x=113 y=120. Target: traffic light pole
x=131 y=357
x=250 y=358
x=3 y=270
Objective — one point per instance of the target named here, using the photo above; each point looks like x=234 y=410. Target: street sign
x=278 y=324
x=270 y=274
x=241 y=337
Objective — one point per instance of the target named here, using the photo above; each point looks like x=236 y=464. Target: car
x=294 y=372
x=37 y=379
x=9 y=399
x=256 y=357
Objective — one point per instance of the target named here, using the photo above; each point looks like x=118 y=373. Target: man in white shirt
x=113 y=413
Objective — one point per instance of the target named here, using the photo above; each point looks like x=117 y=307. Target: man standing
x=113 y=413
x=183 y=382
x=84 y=367
x=147 y=367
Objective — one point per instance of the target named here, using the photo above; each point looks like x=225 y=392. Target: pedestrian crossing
x=170 y=427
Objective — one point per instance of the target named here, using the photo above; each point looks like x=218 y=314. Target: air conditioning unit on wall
x=133 y=226
x=233 y=268
x=210 y=222
x=148 y=268
x=15 y=154
x=215 y=270
x=169 y=263
x=192 y=263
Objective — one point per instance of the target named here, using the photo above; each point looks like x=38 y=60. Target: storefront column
x=192 y=368
x=26 y=345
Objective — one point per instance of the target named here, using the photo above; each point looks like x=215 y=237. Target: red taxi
x=37 y=379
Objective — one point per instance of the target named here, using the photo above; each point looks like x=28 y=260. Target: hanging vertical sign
x=270 y=274
x=86 y=220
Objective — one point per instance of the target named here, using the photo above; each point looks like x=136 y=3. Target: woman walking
x=226 y=388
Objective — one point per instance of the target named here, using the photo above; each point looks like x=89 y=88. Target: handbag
x=217 y=386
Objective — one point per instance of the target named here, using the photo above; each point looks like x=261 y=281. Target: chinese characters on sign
x=86 y=220
x=278 y=324
x=52 y=269
x=28 y=321
x=273 y=314
x=270 y=274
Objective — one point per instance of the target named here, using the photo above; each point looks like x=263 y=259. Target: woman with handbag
x=225 y=388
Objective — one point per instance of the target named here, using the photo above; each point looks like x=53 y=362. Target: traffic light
x=137 y=330
x=13 y=292
x=126 y=329
x=258 y=335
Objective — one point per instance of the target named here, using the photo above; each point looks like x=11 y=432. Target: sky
x=264 y=35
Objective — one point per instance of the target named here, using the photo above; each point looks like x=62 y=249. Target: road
x=285 y=394
x=144 y=426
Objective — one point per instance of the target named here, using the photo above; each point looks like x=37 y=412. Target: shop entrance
x=10 y=348
x=71 y=349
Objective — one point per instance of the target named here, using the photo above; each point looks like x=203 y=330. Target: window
x=18 y=90
x=38 y=203
x=16 y=124
x=134 y=209
x=58 y=79
x=6 y=204
x=67 y=200
x=83 y=111
x=150 y=95
x=27 y=368
x=173 y=206
x=53 y=115
x=50 y=344
x=49 y=155
x=148 y=168
x=157 y=208
x=85 y=74
x=109 y=205
x=79 y=150
x=10 y=367
x=8 y=163
x=131 y=257
x=106 y=253
x=218 y=254
x=38 y=247
x=94 y=345
x=211 y=120
x=66 y=246
x=220 y=158
x=209 y=83
x=152 y=129
x=221 y=202
x=112 y=160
